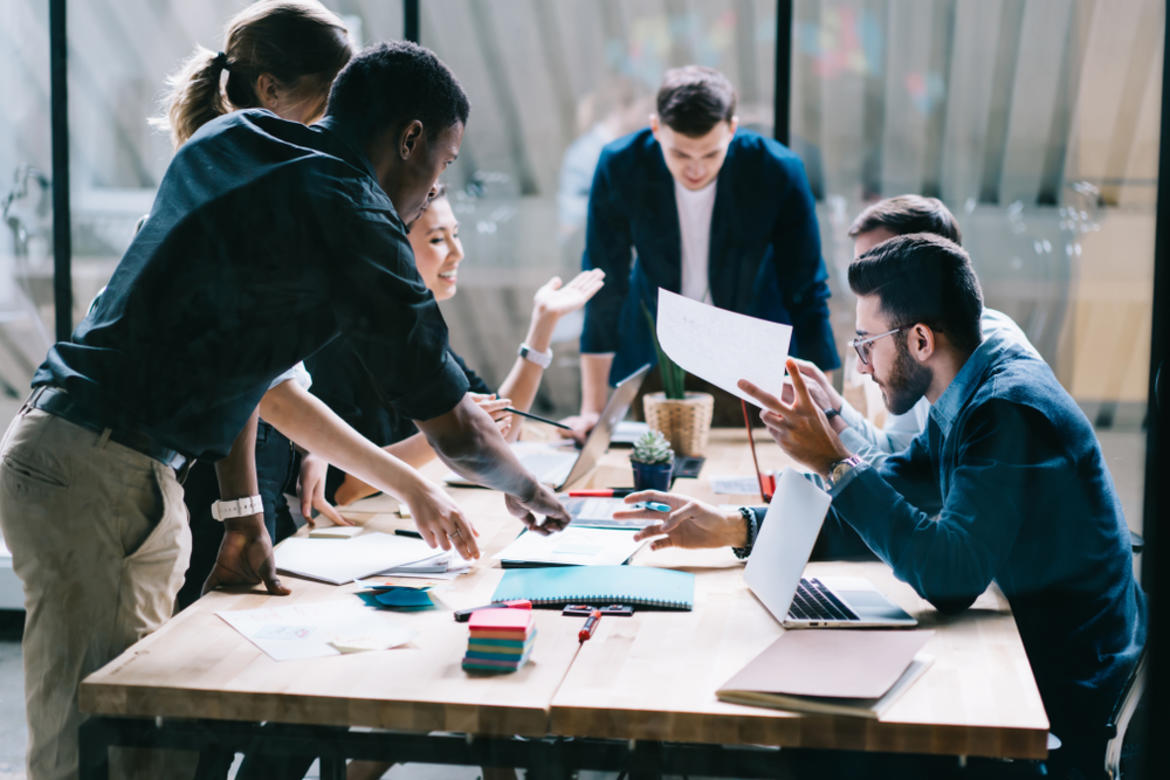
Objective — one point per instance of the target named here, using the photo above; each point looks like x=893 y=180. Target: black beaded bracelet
x=749 y=519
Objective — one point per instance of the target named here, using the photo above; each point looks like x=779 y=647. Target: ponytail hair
x=289 y=39
x=196 y=96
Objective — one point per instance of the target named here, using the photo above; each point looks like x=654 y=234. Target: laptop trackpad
x=863 y=598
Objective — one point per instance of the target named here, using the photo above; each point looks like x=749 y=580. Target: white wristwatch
x=238 y=507
x=542 y=359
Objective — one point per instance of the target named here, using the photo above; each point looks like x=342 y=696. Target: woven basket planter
x=686 y=422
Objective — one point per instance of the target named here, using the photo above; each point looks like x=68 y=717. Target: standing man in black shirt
x=267 y=239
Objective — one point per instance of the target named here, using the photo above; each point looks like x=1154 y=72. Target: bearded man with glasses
x=1006 y=484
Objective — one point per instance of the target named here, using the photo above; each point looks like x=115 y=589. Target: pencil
x=537 y=417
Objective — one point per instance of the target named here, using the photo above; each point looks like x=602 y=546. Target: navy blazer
x=765 y=252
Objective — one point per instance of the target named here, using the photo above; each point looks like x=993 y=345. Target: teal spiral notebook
x=643 y=586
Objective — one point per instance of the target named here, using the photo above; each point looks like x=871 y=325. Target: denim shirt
x=1008 y=484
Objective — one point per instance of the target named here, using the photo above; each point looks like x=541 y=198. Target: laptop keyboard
x=814 y=601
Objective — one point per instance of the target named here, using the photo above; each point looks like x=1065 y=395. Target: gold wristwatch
x=839 y=468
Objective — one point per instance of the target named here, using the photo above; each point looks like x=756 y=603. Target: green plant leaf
x=673 y=377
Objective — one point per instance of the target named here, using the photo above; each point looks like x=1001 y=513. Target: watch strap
x=542 y=359
x=237 y=507
x=839 y=469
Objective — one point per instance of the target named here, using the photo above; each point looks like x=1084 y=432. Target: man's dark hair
x=389 y=84
x=904 y=214
x=921 y=277
x=694 y=99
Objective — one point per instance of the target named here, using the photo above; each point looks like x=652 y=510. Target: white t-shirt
x=694 y=222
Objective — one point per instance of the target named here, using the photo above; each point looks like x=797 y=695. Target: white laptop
x=780 y=554
x=564 y=465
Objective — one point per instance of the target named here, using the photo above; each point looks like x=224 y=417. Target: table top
x=650 y=676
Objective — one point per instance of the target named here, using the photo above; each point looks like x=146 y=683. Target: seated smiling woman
x=341 y=382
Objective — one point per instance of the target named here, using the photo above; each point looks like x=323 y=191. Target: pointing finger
x=802 y=396
x=763 y=396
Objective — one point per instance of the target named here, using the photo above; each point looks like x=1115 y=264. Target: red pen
x=590 y=626
x=601 y=493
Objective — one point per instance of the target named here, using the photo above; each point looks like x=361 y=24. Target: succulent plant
x=652 y=447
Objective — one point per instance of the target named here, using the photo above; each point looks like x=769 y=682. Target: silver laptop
x=561 y=466
x=780 y=554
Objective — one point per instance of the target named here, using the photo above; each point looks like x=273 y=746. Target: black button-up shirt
x=267 y=239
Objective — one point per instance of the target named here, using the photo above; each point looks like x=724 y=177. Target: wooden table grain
x=649 y=677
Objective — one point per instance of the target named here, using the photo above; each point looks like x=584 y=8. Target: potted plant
x=652 y=461
x=684 y=418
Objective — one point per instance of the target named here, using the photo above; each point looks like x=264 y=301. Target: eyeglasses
x=863 y=345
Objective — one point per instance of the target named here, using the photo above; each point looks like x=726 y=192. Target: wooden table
x=650 y=678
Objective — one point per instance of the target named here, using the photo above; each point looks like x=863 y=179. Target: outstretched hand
x=441 y=522
x=311 y=487
x=800 y=427
x=544 y=504
x=691 y=523
x=558 y=299
x=245 y=557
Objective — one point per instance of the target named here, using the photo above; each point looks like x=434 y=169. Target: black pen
x=537 y=417
x=407 y=532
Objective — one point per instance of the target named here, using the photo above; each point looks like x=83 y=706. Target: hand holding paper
x=722 y=346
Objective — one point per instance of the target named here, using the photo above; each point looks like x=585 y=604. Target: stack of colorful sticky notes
x=500 y=640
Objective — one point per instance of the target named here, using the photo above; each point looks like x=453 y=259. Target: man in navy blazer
x=702 y=208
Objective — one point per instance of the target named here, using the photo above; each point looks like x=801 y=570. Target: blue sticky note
x=404 y=598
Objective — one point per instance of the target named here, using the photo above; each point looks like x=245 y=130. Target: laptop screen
x=614 y=412
x=786 y=541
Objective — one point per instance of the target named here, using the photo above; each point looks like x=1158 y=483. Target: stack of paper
x=443 y=565
x=500 y=639
x=339 y=561
x=574 y=546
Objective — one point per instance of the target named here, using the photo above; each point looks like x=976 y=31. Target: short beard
x=908 y=381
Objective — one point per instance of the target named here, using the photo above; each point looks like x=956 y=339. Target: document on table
x=320 y=629
x=722 y=346
x=598 y=513
x=443 y=566
x=573 y=546
x=735 y=486
x=339 y=561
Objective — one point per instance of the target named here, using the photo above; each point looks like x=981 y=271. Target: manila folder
x=857 y=672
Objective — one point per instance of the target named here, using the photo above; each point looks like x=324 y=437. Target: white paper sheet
x=339 y=561
x=443 y=566
x=722 y=346
x=574 y=546
x=735 y=486
x=308 y=631
x=627 y=431
x=598 y=513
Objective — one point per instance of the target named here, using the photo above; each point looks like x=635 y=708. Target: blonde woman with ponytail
x=281 y=55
